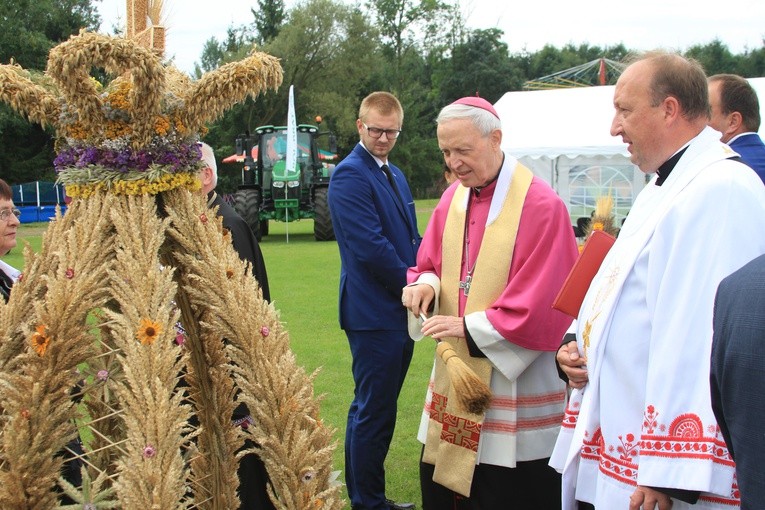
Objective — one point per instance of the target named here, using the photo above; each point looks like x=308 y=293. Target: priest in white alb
x=496 y=251
x=639 y=431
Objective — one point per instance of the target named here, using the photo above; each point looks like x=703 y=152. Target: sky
x=667 y=24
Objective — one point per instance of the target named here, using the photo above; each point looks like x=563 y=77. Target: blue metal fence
x=37 y=200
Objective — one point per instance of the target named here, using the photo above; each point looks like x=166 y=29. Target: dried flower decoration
x=40 y=339
x=603 y=217
x=25 y=414
x=137 y=134
x=265 y=331
x=149 y=451
x=69 y=273
x=229 y=273
x=148 y=331
x=102 y=375
x=203 y=218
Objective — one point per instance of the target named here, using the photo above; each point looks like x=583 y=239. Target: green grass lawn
x=303 y=276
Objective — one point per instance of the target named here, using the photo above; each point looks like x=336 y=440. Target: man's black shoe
x=399 y=506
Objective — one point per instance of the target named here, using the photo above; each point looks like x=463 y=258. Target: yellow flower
x=118 y=98
x=597 y=225
x=117 y=129
x=161 y=125
x=40 y=339
x=148 y=331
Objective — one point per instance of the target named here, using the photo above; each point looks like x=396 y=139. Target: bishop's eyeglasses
x=374 y=132
x=5 y=214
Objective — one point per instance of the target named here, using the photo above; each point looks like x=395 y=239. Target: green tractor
x=271 y=191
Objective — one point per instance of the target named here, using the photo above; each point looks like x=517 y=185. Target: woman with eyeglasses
x=9 y=223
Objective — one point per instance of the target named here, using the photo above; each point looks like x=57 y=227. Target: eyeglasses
x=5 y=214
x=374 y=132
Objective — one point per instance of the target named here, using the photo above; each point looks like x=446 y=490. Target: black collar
x=666 y=168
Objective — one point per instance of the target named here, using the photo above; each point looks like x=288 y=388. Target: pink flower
x=69 y=273
x=265 y=331
x=102 y=375
x=149 y=451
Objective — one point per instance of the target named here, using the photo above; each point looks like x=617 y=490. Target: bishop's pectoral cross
x=465 y=285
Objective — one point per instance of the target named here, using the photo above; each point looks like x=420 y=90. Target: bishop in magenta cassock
x=495 y=253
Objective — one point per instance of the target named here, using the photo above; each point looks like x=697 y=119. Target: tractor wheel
x=247 y=205
x=322 y=221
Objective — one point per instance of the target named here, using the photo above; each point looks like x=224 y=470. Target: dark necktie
x=392 y=182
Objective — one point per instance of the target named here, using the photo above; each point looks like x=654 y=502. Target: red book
x=571 y=295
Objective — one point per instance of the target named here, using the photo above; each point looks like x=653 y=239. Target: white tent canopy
x=563 y=136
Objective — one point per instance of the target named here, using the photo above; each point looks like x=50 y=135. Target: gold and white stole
x=453 y=433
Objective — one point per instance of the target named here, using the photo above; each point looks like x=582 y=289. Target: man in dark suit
x=736 y=114
x=738 y=375
x=376 y=228
x=242 y=237
x=253 y=478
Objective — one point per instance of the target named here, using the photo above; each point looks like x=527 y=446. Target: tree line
x=334 y=54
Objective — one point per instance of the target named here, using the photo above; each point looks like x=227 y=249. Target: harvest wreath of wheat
x=136 y=252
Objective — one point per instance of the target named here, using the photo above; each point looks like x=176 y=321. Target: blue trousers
x=380 y=362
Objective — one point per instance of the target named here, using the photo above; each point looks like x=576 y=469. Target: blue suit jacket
x=738 y=375
x=378 y=240
x=752 y=151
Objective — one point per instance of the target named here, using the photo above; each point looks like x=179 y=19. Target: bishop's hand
x=418 y=298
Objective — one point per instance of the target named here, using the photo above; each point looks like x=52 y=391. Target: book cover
x=571 y=294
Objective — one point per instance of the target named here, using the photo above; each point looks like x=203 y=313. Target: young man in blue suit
x=736 y=114
x=376 y=229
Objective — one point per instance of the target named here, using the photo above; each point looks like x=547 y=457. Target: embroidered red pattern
x=461 y=432
x=570 y=415
x=591 y=446
x=649 y=419
x=733 y=501
x=528 y=401
x=686 y=439
x=438 y=407
x=618 y=468
x=536 y=423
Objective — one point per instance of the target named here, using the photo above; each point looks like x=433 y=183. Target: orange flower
x=597 y=225
x=40 y=339
x=148 y=331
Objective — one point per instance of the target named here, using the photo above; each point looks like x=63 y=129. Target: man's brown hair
x=679 y=77
x=738 y=95
x=383 y=102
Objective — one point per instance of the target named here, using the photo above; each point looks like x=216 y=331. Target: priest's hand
x=443 y=326
x=418 y=298
x=645 y=498
x=572 y=364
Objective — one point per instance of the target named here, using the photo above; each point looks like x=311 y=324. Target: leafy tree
x=479 y=66
x=714 y=57
x=28 y=30
x=408 y=25
x=269 y=19
x=328 y=51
